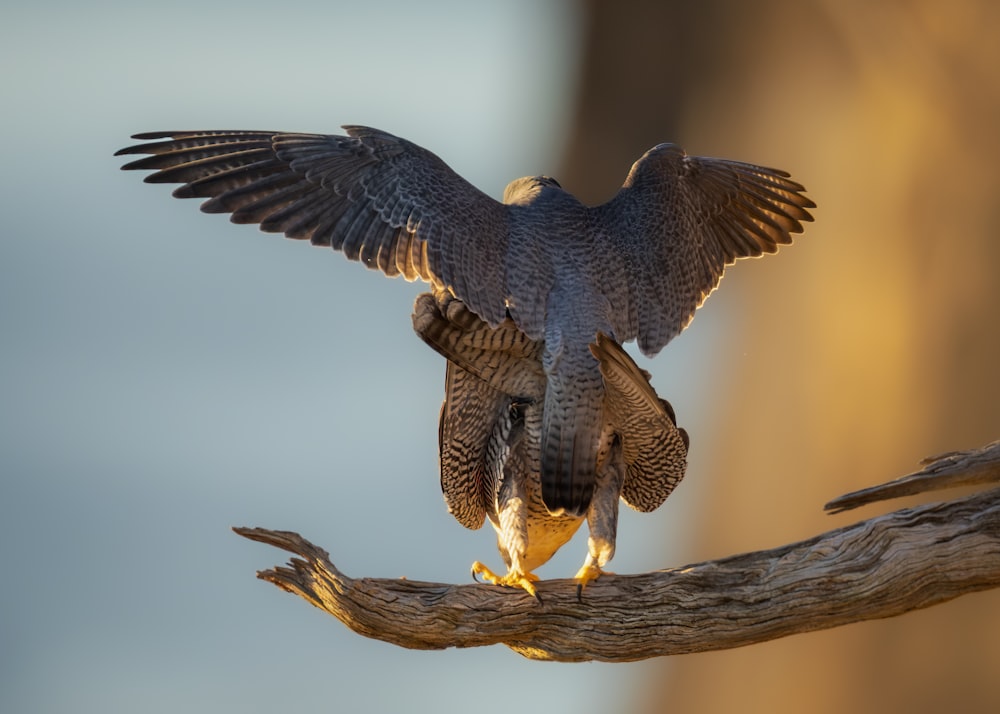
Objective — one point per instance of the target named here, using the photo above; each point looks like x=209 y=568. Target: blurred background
x=165 y=375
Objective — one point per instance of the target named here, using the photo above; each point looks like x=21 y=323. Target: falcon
x=636 y=267
x=490 y=441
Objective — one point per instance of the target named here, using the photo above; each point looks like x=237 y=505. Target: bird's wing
x=488 y=371
x=653 y=448
x=379 y=199
x=469 y=414
x=503 y=357
x=679 y=220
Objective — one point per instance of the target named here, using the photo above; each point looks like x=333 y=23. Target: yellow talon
x=488 y=575
x=588 y=573
x=525 y=581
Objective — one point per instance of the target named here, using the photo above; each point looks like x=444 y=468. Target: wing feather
x=680 y=220
x=653 y=448
x=503 y=357
x=470 y=411
x=486 y=368
x=382 y=200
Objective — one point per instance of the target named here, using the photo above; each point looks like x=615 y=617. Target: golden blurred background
x=870 y=343
x=165 y=375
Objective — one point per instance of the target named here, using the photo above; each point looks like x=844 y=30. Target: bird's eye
x=516 y=409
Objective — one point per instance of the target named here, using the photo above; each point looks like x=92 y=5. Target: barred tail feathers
x=571 y=430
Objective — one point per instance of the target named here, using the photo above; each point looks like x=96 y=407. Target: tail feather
x=571 y=430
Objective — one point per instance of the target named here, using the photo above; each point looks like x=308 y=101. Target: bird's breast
x=546 y=535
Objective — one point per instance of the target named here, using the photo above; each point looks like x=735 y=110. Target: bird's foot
x=588 y=573
x=513 y=579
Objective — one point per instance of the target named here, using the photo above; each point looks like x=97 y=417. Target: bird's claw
x=513 y=579
x=588 y=573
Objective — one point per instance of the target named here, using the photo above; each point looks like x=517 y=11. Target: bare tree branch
x=886 y=566
x=955 y=468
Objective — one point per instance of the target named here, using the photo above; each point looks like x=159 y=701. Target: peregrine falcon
x=490 y=441
x=635 y=267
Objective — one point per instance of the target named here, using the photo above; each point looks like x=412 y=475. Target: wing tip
x=146 y=135
x=144 y=148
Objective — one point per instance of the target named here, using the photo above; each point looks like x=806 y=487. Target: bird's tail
x=571 y=432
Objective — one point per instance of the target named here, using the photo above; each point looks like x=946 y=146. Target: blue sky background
x=165 y=375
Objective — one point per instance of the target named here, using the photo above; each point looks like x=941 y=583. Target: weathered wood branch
x=885 y=566
x=955 y=468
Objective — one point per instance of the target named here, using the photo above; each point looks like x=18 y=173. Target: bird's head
x=525 y=190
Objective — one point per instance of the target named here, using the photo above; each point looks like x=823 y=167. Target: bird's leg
x=602 y=518
x=601 y=551
x=511 y=525
x=515 y=578
x=590 y=571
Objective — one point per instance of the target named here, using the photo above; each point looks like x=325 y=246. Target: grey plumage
x=635 y=267
x=490 y=446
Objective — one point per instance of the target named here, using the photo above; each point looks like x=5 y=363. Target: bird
x=635 y=267
x=490 y=442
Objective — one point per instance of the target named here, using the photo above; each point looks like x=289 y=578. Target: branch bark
x=882 y=567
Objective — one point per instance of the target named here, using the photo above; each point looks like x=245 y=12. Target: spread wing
x=379 y=199
x=679 y=220
x=653 y=448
